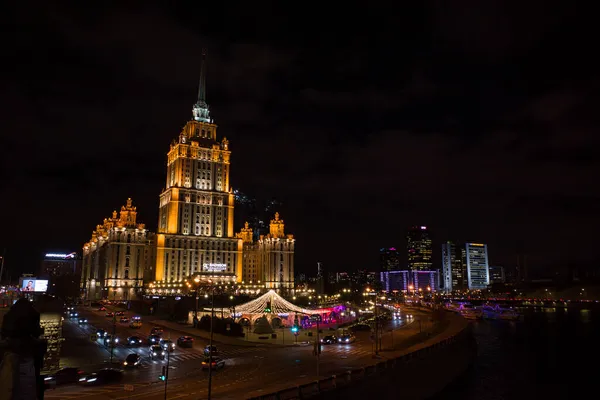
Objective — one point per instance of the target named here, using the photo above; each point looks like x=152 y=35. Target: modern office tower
x=475 y=258
x=389 y=259
x=453 y=269
x=419 y=249
x=497 y=275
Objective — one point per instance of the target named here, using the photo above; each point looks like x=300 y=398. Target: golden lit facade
x=195 y=227
x=270 y=260
x=252 y=268
x=117 y=257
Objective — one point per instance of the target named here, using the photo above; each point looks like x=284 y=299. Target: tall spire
x=200 y=109
x=202 y=85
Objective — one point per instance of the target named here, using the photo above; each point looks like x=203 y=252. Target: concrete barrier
x=289 y=394
x=327 y=384
x=309 y=389
x=357 y=374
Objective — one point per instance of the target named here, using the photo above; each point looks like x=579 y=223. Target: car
x=154 y=339
x=185 y=341
x=134 y=341
x=156 y=351
x=105 y=375
x=136 y=318
x=132 y=360
x=135 y=325
x=347 y=338
x=167 y=344
x=110 y=340
x=207 y=351
x=329 y=339
x=217 y=363
x=83 y=321
x=63 y=376
x=109 y=314
x=102 y=309
x=73 y=314
x=101 y=333
x=119 y=313
x=124 y=320
x=156 y=331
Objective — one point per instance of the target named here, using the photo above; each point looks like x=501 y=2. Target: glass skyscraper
x=419 y=249
x=477 y=266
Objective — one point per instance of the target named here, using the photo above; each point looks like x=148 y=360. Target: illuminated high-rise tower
x=195 y=226
x=419 y=249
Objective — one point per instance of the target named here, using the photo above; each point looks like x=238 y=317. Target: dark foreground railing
x=352 y=377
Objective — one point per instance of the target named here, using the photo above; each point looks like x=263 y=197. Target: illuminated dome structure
x=273 y=306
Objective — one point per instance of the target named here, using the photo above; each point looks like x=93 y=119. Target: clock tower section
x=195 y=227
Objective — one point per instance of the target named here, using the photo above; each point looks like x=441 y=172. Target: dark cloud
x=478 y=121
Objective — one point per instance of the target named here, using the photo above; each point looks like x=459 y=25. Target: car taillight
x=80 y=372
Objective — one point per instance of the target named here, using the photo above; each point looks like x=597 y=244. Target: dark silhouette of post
x=210 y=343
x=22 y=352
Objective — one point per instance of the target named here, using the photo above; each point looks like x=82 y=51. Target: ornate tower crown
x=200 y=110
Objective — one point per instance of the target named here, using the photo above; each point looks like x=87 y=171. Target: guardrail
x=331 y=383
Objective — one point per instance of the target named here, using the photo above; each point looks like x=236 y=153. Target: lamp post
x=210 y=342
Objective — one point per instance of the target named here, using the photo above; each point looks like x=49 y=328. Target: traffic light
x=163 y=376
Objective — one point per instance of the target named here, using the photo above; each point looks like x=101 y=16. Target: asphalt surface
x=249 y=371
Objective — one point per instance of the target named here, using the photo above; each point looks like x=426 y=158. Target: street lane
x=249 y=371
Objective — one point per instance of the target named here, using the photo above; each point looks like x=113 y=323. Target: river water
x=552 y=353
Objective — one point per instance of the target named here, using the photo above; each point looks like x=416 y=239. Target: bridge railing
x=331 y=383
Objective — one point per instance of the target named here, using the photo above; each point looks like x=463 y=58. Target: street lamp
x=210 y=343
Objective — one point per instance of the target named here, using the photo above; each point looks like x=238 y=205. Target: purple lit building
x=425 y=281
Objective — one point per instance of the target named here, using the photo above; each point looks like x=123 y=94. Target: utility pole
x=2 y=264
x=210 y=343
x=318 y=348
x=376 y=328
x=167 y=371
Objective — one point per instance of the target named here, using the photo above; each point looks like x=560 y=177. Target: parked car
x=134 y=341
x=347 y=338
x=119 y=313
x=106 y=375
x=185 y=341
x=63 y=376
x=217 y=363
x=156 y=351
x=109 y=314
x=329 y=339
x=167 y=344
x=132 y=360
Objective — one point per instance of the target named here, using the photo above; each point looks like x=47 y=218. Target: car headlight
x=347 y=340
x=153 y=354
x=92 y=380
x=117 y=340
x=125 y=363
x=48 y=378
x=81 y=379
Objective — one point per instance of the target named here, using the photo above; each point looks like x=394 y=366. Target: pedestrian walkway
x=73 y=392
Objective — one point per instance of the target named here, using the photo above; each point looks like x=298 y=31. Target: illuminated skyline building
x=270 y=260
x=389 y=259
x=195 y=228
x=116 y=258
x=475 y=258
x=453 y=268
x=419 y=249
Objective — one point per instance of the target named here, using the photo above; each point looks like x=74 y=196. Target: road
x=249 y=371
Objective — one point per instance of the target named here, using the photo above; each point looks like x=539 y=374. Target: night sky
x=477 y=120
